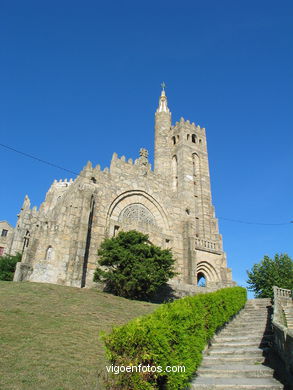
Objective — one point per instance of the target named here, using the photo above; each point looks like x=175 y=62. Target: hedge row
x=173 y=335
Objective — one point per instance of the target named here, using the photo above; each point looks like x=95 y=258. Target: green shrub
x=134 y=268
x=7 y=266
x=174 y=335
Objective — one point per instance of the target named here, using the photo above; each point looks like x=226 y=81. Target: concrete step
x=235 y=370
x=236 y=383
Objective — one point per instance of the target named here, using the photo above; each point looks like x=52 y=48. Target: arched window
x=174 y=140
x=49 y=253
x=196 y=165
x=193 y=138
x=174 y=173
x=201 y=280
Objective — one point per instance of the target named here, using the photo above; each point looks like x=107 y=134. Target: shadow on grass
x=164 y=294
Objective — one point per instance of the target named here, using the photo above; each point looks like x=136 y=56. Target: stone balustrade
x=206 y=244
x=283 y=336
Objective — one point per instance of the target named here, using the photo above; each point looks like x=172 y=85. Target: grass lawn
x=49 y=335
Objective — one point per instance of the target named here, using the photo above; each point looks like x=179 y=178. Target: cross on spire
x=163 y=107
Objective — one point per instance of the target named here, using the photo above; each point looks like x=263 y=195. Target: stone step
x=261 y=304
x=241 y=343
x=252 y=315
x=248 y=351
x=250 y=320
x=250 y=324
x=235 y=370
x=235 y=333
x=229 y=359
x=247 y=331
x=253 y=305
x=248 y=337
x=208 y=383
x=251 y=327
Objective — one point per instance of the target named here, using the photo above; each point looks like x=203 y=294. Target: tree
x=271 y=272
x=132 y=267
x=7 y=266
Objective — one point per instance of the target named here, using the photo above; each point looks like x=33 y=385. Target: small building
x=6 y=237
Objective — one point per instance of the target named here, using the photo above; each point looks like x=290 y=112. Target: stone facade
x=6 y=236
x=171 y=203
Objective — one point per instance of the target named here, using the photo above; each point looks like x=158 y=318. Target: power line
x=38 y=159
x=78 y=174
x=254 y=223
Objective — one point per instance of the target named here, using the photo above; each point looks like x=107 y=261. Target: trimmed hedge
x=173 y=335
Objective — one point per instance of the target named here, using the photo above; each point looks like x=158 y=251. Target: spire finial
x=163 y=107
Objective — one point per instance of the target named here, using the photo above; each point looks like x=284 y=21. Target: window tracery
x=137 y=213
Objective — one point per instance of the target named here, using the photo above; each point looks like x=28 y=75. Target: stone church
x=171 y=203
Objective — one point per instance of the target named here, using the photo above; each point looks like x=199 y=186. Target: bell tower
x=181 y=156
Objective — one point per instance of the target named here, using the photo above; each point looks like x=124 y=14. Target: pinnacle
x=237 y=356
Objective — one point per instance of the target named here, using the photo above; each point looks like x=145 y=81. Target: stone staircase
x=236 y=356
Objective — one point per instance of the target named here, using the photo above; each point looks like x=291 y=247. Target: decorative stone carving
x=143 y=153
x=137 y=213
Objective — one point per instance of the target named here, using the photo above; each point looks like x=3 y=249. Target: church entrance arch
x=206 y=273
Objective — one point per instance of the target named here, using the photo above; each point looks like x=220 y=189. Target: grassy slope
x=49 y=335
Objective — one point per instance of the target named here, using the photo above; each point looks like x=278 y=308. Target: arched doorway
x=201 y=280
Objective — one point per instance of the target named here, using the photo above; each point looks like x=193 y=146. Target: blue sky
x=80 y=80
